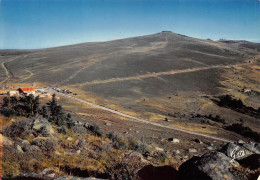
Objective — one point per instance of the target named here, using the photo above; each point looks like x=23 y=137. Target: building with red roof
x=26 y=90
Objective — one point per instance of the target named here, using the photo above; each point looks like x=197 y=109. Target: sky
x=33 y=24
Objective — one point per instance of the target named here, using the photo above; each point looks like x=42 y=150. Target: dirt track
x=7 y=72
x=135 y=118
x=149 y=75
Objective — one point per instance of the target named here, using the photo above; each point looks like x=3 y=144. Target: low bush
x=18 y=128
x=244 y=131
x=95 y=129
x=217 y=118
x=45 y=144
x=142 y=148
x=118 y=143
x=228 y=101
x=78 y=129
x=132 y=144
x=8 y=112
x=162 y=156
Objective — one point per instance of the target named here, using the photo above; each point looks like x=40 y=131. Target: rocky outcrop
x=42 y=127
x=151 y=172
x=76 y=178
x=235 y=151
x=253 y=147
x=213 y=165
x=46 y=144
x=235 y=161
x=6 y=141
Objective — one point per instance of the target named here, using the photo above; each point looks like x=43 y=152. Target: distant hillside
x=166 y=78
x=87 y=62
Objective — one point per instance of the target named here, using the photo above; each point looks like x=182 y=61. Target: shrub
x=45 y=144
x=8 y=112
x=70 y=122
x=6 y=101
x=244 y=131
x=162 y=156
x=62 y=129
x=118 y=143
x=78 y=129
x=18 y=128
x=142 y=148
x=95 y=129
x=132 y=144
x=217 y=118
x=228 y=101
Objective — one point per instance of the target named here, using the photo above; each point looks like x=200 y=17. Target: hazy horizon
x=30 y=24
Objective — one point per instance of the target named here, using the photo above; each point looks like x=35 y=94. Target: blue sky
x=30 y=24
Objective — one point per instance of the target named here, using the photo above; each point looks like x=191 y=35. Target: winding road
x=8 y=73
x=49 y=90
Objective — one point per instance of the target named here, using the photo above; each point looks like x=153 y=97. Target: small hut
x=26 y=90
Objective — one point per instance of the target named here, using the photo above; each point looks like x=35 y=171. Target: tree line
x=29 y=106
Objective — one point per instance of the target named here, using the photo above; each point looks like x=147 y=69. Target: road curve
x=135 y=118
x=8 y=73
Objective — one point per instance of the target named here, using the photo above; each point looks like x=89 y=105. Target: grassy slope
x=100 y=73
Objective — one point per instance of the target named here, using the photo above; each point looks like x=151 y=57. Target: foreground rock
x=213 y=165
x=151 y=172
x=252 y=162
x=6 y=141
x=193 y=150
x=253 y=147
x=235 y=151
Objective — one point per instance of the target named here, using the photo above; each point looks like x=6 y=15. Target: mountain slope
x=151 y=77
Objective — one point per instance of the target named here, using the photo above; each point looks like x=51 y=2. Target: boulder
x=235 y=151
x=151 y=172
x=6 y=141
x=210 y=148
x=49 y=173
x=28 y=176
x=213 y=165
x=174 y=140
x=78 y=123
x=193 y=150
x=197 y=141
x=87 y=125
x=19 y=149
x=253 y=147
x=240 y=141
x=25 y=142
x=135 y=154
x=45 y=144
x=30 y=148
x=42 y=127
x=69 y=138
x=57 y=153
x=52 y=175
x=158 y=149
x=176 y=151
x=79 y=129
x=139 y=156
